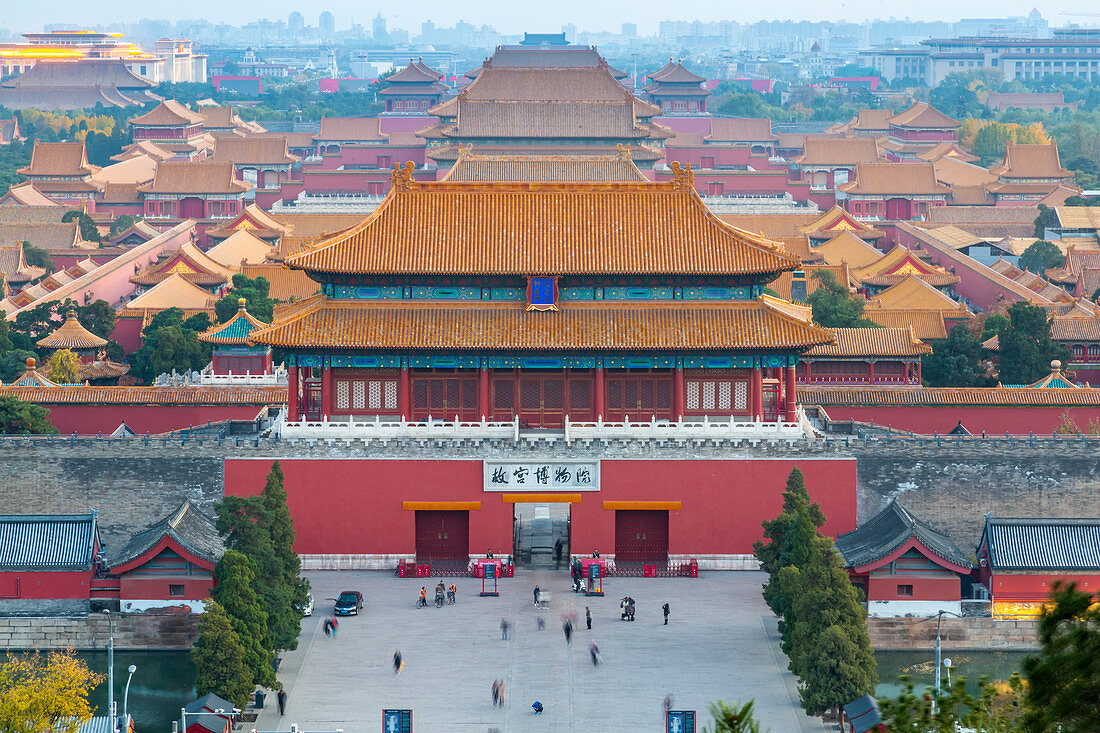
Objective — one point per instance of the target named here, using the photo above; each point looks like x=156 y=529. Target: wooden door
x=442 y=535
x=639 y=396
x=311 y=399
x=444 y=396
x=641 y=536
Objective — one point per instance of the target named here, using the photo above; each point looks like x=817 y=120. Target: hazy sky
x=515 y=16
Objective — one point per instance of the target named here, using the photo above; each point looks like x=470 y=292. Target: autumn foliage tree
x=45 y=692
x=63 y=367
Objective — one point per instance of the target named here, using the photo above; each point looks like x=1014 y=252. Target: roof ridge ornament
x=402 y=176
x=622 y=152
x=683 y=178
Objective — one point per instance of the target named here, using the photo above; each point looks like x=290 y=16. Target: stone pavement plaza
x=721 y=642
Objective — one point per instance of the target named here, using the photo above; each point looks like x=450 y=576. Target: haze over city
x=512 y=17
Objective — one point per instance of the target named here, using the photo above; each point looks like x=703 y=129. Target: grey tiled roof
x=888 y=530
x=47 y=542
x=187 y=525
x=1042 y=544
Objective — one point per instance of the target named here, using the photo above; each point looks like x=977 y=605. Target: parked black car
x=349 y=603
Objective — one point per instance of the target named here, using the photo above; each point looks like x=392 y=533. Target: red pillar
x=292 y=394
x=678 y=394
x=756 y=401
x=791 y=395
x=599 y=392
x=403 y=394
x=483 y=393
x=326 y=392
x=919 y=380
x=871 y=372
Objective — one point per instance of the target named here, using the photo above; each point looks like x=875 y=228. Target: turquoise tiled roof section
x=236 y=330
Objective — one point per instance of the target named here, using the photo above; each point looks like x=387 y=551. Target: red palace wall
x=992 y=420
x=925 y=588
x=153 y=419
x=1036 y=587
x=44 y=584
x=349 y=506
x=156 y=588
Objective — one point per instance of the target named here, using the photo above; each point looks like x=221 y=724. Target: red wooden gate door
x=641 y=535
x=191 y=208
x=311 y=399
x=445 y=396
x=639 y=396
x=901 y=209
x=542 y=401
x=442 y=535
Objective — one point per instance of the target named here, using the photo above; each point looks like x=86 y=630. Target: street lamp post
x=939 y=618
x=110 y=667
x=126 y=694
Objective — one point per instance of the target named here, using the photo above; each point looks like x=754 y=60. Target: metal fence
x=631 y=569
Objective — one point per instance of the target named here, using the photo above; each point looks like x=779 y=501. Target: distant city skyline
x=514 y=18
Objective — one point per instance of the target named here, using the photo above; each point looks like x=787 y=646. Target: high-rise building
x=295 y=23
x=570 y=31
x=327 y=24
x=378 y=28
x=630 y=30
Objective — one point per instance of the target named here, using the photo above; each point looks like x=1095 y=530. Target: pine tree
x=235 y=593
x=790 y=535
x=280 y=528
x=219 y=658
x=826 y=635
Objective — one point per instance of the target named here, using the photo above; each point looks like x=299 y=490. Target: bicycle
x=439 y=601
x=421 y=602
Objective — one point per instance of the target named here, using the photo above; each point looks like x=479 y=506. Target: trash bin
x=259 y=699
x=649 y=571
x=694 y=571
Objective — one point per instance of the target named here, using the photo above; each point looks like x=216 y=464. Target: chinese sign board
x=542 y=476
x=397 y=721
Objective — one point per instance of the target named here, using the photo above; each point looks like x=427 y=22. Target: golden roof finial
x=241 y=304
x=402 y=176
x=683 y=179
x=30 y=363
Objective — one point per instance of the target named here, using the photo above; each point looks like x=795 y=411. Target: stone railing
x=278 y=376
x=693 y=429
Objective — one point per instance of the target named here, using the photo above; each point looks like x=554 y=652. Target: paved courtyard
x=721 y=642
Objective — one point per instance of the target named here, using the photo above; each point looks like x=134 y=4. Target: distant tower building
x=378 y=28
x=630 y=30
x=570 y=31
x=327 y=24
x=295 y=23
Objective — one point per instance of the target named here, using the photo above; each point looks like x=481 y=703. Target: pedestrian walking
x=540 y=622
x=558 y=546
x=398 y=662
x=504 y=628
x=496 y=693
x=567 y=627
x=594 y=651
x=500 y=692
x=280 y=697
x=537 y=707
x=537 y=591
x=668 y=702
x=588 y=618
x=665 y=610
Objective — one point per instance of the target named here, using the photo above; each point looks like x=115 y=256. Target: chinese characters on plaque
x=542 y=476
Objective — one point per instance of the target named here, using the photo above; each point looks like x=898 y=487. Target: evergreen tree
x=826 y=635
x=834 y=307
x=736 y=718
x=255 y=291
x=1063 y=690
x=219 y=658
x=23 y=418
x=1041 y=256
x=1026 y=347
x=260 y=527
x=955 y=361
x=235 y=593
x=789 y=537
x=88 y=230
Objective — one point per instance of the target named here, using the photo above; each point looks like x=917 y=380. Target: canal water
x=920 y=667
x=163 y=683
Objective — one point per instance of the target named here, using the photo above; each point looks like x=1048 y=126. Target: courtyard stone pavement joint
x=720 y=644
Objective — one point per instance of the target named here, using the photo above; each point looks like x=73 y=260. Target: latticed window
x=720 y=395
x=362 y=393
x=503 y=396
x=580 y=395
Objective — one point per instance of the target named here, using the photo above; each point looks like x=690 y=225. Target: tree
x=121 y=224
x=235 y=593
x=834 y=307
x=45 y=693
x=88 y=230
x=1063 y=692
x=171 y=343
x=98 y=317
x=14 y=363
x=951 y=709
x=1047 y=218
x=825 y=633
x=736 y=718
x=1041 y=256
x=260 y=527
x=255 y=292
x=63 y=367
x=955 y=361
x=789 y=537
x=954 y=97
x=37 y=257
x=1026 y=346
x=23 y=418
x=992 y=141
x=219 y=658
